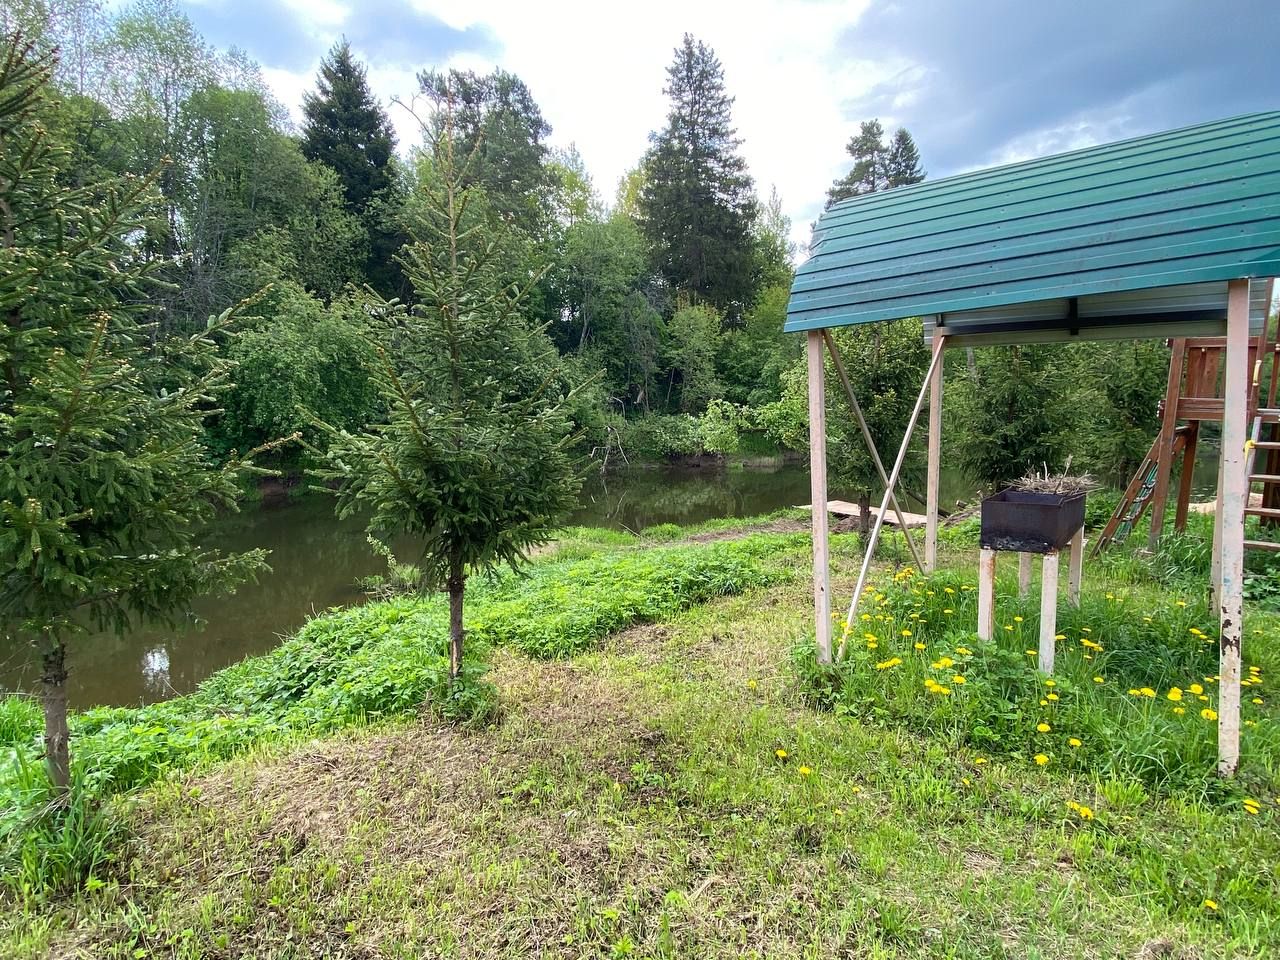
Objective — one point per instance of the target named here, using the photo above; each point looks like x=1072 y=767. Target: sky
x=977 y=83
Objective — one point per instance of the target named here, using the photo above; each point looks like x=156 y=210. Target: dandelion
x=1017 y=619
x=948 y=611
x=1099 y=680
x=1086 y=630
x=1209 y=713
x=1051 y=683
x=1174 y=694
x=1134 y=692
x=1147 y=692
x=1044 y=703
x=838 y=812
x=906 y=633
x=1180 y=603
x=963 y=651
x=803 y=771
x=1051 y=697
x=888 y=664
x=855 y=789
x=1043 y=727
x=1059 y=636
x=1008 y=626
x=1251 y=806
x=920 y=646
x=780 y=754
x=1257 y=701
x=1031 y=653
x=1041 y=759
x=1210 y=904
x=1086 y=813
x=958 y=679
x=1075 y=742
x=751 y=684
x=984 y=760
x=1179 y=710
x=947 y=590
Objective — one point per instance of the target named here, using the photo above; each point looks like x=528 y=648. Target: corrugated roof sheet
x=1188 y=206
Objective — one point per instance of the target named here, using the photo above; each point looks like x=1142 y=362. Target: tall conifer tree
x=876 y=165
x=697 y=203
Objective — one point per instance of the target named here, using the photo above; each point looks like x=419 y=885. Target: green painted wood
x=1196 y=205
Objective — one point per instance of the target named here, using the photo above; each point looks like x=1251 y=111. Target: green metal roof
x=1186 y=209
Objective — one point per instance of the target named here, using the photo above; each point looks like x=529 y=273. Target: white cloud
x=597 y=70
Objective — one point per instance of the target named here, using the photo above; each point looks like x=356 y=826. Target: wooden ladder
x=1138 y=494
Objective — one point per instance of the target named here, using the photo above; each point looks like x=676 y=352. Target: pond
x=317 y=559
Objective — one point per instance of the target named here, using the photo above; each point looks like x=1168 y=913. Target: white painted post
x=1215 y=560
x=818 y=497
x=1024 y=574
x=934 y=475
x=1048 y=610
x=1075 y=570
x=1232 y=495
x=986 y=594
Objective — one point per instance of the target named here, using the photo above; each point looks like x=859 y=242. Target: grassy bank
x=663 y=777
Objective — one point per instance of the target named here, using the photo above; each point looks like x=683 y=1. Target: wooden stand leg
x=818 y=490
x=1048 y=610
x=986 y=594
x=934 y=471
x=1024 y=574
x=1232 y=496
x=1075 y=568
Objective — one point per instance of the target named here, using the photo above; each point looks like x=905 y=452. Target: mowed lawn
x=669 y=795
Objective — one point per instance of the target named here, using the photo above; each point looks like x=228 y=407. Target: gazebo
x=1175 y=234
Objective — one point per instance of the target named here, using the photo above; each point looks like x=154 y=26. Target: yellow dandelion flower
x=906 y=633
x=1031 y=653
x=1017 y=619
x=1209 y=714
x=1051 y=697
x=1257 y=701
x=919 y=646
x=1043 y=727
x=1099 y=680
x=958 y=679
x=1179 y=710
x=855 y=789
x=751 y=684
x=1086 y=813
x=963 y=651
x=803 y=771
x=1174 y=694
x=1051 y=683
x=1008 y=626
x=1210 y=904
x=1041 y=759
x=1251 y=806
x=984 y=760
x=1180 y=603
x=1086 y=630
x=780 y=754
x=1134 y=692
x=1075 y=742
x=1044 y=703
x=1147 y=692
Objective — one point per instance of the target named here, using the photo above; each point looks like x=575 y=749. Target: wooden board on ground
x=843 y=508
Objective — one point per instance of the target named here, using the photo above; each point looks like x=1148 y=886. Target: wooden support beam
x=1164 y=451
x=1024 y=574
x=1048 y=610
x=986 y=593
x=1192 y=434
x=1075 y=568
x=1232 y=496
x=893 y=482
x=818 y=497
x=870 y=442
x=934 y=470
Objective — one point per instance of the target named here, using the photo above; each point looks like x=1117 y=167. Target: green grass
x=669 y=791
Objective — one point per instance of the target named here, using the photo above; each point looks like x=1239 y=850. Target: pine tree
x=346 y=129
x=697 y=204
x=105 y=484
x=473 y=459
x=902 y=165
x=877 y=166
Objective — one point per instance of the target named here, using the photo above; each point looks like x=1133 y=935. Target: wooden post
x=1075 y=568
x=1024 y=574
x=1192 y=435
x=934 y=474
x=1164 y=456
x=818 y=497
x=1048 y=610
x=1232 y=495
x=986 y=593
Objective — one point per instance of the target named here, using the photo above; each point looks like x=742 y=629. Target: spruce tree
x=105 y=484
x=473 y=459
x=346 y=129
x=876 y=165
x=902 y=165
x=697 y=204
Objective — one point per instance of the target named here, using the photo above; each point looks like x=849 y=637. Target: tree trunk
x=864 y=514
x=57 y=737
x=456 y=584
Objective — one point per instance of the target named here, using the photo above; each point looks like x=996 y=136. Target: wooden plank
x=1233 y=496
x=843 y=508
x=818 y=491
x=933 y=475
x=986 y=593
x=1048 y=610
x=1270 y=545
x=1164 y=447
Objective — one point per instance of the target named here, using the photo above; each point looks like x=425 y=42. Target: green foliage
x=308 y=361
x=1014 y=416
x=105 y=485
x=692 y=337
x=1125 y=702
x=1121 y=386
x=696 y=200
x=754 y=357
x=876 y=165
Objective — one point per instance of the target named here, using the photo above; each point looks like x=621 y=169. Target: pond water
x=317 y=559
